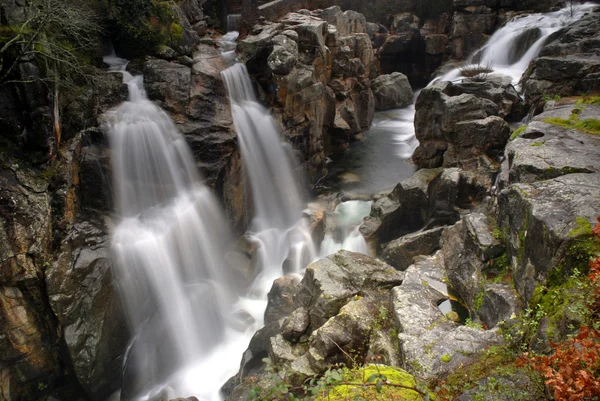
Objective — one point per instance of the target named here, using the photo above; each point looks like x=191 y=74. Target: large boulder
x=83 y=297
x=400 y=252
x=544 y=150
x=391 y=91
x=431 y=344
x=456 y=128
x=548 y=227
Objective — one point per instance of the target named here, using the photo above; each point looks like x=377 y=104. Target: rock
x=568 y=63
x=544 y=151
x=342 y=335
x=295 y=325
x=391 y=91
x=29 y=336
x=400 y=253
x=464 y=270
x=331 y=282
x=499 y=303
x=457 y=130
x=394 y=215
x=545 y=224
x=81 y=293
x=432 y=345
x=470 y=28
x=280 y=299
x=435 y=44
x=480 y=239
x=169 y=83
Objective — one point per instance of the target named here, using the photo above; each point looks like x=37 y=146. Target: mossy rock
x=399 y=387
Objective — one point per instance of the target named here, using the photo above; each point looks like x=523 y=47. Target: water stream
x=511 y=48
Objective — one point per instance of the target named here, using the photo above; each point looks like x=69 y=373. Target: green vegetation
x=143 y=27
x=445 y=358
x=370 y=382
x=537 y=143
x=588 y=100
x=589 y=125
x=518 y=132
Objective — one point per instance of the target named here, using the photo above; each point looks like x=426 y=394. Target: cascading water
x=347 y=218
x=179 y=293
x=510 y=49
x=284 y=242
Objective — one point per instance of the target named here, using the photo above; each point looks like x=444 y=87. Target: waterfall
x=510 y=49
x=284 y=242
x=233 y=22
x=347 y=219
x=168 y=247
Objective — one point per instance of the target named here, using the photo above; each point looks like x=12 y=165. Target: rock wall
x=314 y=69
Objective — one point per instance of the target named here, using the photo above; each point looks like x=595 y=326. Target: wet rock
x=295 y=325
x=331 y=282
x=402 y=211
x=82 y=295
x=568 y=62
x=391 y=91
x=29 y=336
x=499 y=303
x=544 y=151
x=541 y=220
x=432 y=345
x=470 y=28
x=457 y=129
x=400 y=253
x=280 y=299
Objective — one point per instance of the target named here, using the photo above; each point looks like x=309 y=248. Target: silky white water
x=499 y=51
x=181 y=297
x=347 y=219
x=278 y=229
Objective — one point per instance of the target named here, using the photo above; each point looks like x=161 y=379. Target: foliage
x=140 y=27
x=478 y=71
x=488 y=377
x=371 y=382
x=518 y=132
x=572 y=369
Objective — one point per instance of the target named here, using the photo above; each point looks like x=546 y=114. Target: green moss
x=518 y=132
x=445 y=358
x=589 y=100
x=589 y=125
x=583 y=227
x=537 y=143
x=356 y=379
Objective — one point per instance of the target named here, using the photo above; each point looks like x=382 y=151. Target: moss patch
x=518 y=132
x=589 y=125
x=357 y=385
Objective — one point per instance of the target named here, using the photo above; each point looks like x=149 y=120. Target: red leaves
x=572 y=370
x=596 y=229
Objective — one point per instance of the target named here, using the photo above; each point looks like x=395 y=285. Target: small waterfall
x=285 y=245
x=347 y=218
x=169 y=256
x=234 y=21
x=510 y=49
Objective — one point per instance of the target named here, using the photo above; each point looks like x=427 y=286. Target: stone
x=391 y=91
x=457 y=129
x=280 y=299
x=432 y=345
x=331 y=282
x=480 y=237
x=295 y=325
x=545 y=151
x=568 y=62
x=541 y=220
x=499 y=303
x=400 y=252
x=88 y=307
x=344 y=334
x=400 y=212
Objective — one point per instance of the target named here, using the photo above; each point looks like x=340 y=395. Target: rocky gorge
x=498 y=217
